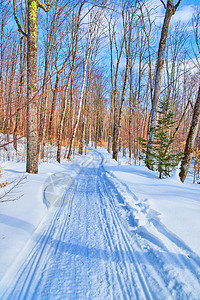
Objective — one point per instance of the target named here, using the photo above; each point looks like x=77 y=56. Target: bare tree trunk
x=112 y=82
x=32 y=136
x=80 y=105
x=19 y=93
x=127 y=24
x=2 y=66
x=189 y=147
x=115 y=145
x=81 y=138
x=8 y=124
x=92 y=37
x=181 y=119
x=51 y=32
x=170 y=10
x=53 y=105
x=87 y=125
x=83 y=119
x=32 y=139
x=115 y=142
x=64 y=108
x=55 y=91
x=109 y=143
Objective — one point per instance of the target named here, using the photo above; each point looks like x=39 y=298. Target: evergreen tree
x=160 y=156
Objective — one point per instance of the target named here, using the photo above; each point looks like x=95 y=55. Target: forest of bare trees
x=76 y=73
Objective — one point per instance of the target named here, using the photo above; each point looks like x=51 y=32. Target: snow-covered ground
x=93 y=229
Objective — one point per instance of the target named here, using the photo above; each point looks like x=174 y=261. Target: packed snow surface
x=99 y=230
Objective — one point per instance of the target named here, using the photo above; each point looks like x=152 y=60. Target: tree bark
x=83 y=118
x=115 y=123
x=189 y=147
x=117 y=132
x=32 y=116
x=3 y=18
x=32 y=139
x=64 y=106
x=127 y=24
x=110 y=130
x=20 y=94
x=55 y=91
x=170 y=10
x=51 y=34
x=81 y=102
x=53 y=105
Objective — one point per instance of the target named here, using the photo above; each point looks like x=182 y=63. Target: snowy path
x=89 y=247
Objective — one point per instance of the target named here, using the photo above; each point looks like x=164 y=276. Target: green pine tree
x=161 y=157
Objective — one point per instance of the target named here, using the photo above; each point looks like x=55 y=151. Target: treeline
x=75 y=72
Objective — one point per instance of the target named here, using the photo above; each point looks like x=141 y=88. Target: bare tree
x=55 y=91
x=170 y=11
x=50 y=41
x=128 y=27
x=128 y=14
x=75 y=40
x=196 y=30
x=93 y=31
x=20 y=91
x=4 y=13
x=189 y=147
x=32 y=35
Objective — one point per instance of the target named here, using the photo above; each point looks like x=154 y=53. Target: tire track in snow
x=93 y=249
x=169 y=261
x=33 y=261
x=106 y=200
x=126 y=249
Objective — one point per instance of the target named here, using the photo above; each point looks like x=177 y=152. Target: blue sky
x=190 y=2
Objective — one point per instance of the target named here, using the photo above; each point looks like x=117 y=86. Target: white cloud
x=184 y=14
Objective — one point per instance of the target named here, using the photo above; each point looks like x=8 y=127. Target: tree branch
x=164 y=4
x=16 y=19
x=15 y=183
x=177 y=5
x=49 y=5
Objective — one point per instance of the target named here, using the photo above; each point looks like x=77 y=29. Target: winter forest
x=113 y=73
x=99 y=149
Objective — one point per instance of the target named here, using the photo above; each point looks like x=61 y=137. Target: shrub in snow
x=162 y=158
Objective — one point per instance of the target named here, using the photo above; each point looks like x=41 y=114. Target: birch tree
x=74 y=49
x=93 y=30
x=127 y=19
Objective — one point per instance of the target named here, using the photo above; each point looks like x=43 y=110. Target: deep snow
x=99 y=230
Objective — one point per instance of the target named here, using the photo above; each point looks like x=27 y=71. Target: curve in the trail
x=89 y=247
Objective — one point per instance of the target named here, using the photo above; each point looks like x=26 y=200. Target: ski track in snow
x=90 y=246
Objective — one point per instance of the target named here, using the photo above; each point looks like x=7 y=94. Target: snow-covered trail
x=89 y=247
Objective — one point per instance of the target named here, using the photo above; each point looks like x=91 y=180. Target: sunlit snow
x=93 y=228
